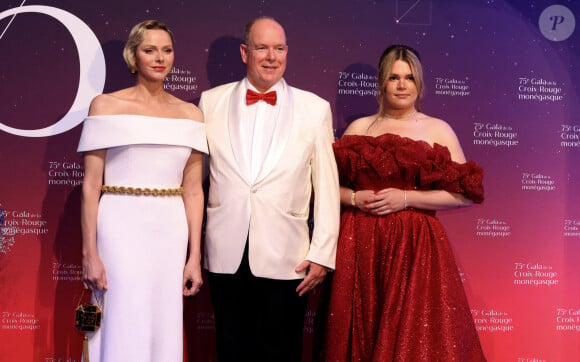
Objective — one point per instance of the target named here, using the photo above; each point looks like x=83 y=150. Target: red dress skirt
x=396 y=293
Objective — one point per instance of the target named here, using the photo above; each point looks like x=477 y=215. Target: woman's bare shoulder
x=360 y=126
x=187 y=110
x=437 y=126
x=442 y=133
x=108 y=103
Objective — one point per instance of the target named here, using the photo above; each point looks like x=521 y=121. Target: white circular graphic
x=557 y=22
x=92 y=70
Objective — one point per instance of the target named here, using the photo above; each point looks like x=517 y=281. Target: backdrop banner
x=503 y=73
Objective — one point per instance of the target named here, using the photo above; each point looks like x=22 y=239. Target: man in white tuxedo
x=270 y=149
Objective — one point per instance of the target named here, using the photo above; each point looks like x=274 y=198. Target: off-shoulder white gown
x=142 y=240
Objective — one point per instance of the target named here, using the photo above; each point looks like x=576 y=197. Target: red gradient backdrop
x=503 y=73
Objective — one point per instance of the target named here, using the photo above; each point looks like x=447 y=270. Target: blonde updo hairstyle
x=136 y=38
x=388 y=58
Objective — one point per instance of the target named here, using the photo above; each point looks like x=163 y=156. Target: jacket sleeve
x=326 y=194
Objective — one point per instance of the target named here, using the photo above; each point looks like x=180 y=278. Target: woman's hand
x=382 y=202
x=192 y=280
x=94 y=276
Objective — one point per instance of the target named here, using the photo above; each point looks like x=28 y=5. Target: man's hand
x=315 y=274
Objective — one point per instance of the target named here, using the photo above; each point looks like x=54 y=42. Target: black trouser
x=257 y=319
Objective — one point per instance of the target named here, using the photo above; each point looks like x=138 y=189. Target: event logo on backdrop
x=91 y=75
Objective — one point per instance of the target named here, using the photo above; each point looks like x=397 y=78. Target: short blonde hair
x=388 y=58
x=136 y=38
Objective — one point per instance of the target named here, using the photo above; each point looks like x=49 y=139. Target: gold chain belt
x=145 y=191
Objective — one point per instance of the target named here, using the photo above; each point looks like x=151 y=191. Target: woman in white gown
x=142 y=206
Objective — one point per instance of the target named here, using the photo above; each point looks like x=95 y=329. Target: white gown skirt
x=142 y=241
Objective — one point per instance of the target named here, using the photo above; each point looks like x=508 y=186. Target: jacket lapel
x=238 y=142
x=281 y=133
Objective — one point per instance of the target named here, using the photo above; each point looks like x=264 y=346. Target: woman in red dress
x=396 y=294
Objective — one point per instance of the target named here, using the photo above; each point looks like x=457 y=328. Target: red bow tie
x=252 y=97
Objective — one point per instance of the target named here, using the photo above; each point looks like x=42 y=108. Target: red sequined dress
x=396 y=294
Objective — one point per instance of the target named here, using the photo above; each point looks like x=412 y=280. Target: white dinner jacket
x=272 y=211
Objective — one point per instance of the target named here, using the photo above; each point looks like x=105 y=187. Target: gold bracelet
x=138 y=191
x=353 y=199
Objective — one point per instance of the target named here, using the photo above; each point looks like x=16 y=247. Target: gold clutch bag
x=88 y=316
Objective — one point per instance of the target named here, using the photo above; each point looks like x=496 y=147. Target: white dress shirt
x=259 y=120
